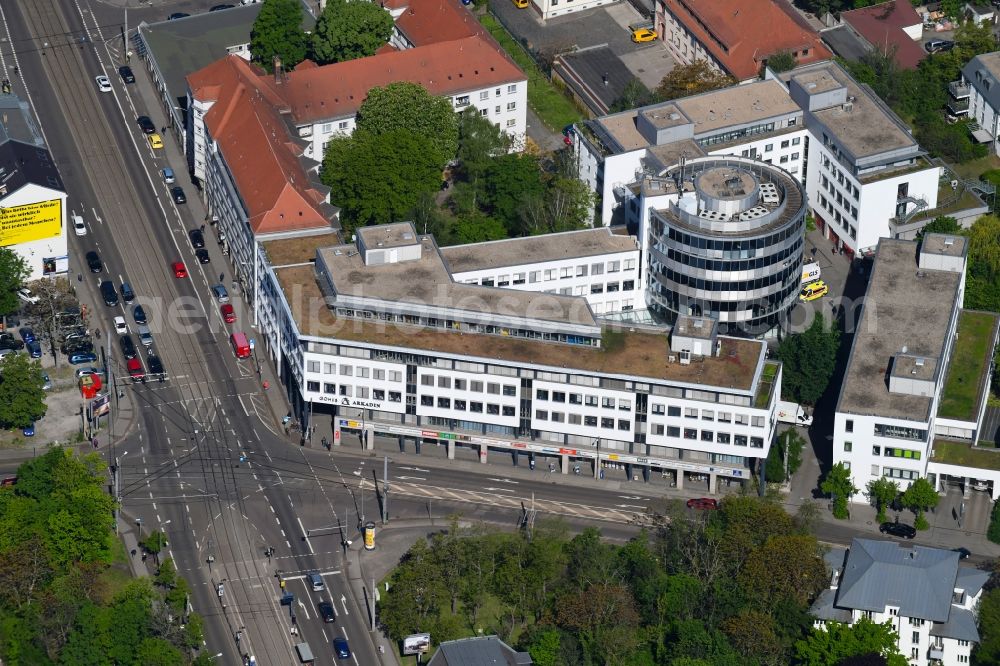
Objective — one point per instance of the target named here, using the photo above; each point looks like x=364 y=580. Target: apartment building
x=380 y=336
x=928 y=598
x=601 y=266
x=736 y=36
x=909 y=405
x=977 y=95
x=867 y=175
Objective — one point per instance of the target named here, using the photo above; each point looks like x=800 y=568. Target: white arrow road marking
x=411 y=478
x=629 y=497
x=304 y=609
x=629 y=506
x=413 y=469
x=343 y=602
x=500 y=490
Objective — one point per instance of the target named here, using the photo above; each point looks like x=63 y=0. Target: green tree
x=993 y=531
x=920 y=497
x=809 y=359
x=988 y=649
x=154 y=543
x=158 y=652
x=943 y=224
x=511 y=182
x=166 y=575
x=789 y=448
x=347 y=30
x=277 y=32
x=634 y=95
x=982 y=283
x=22 y=400
x=379 y=178
x=782 y=61
x=685 y=80
x=13 y=272
x=882 y=491
x=840 y=485
x=545 y=648
x=408 y=106
x=837 y=642
x=786 y=567
x=479 y=143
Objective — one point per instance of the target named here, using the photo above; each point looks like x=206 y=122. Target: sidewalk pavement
x=137 y=565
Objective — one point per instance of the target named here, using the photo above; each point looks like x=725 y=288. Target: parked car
x=121 y=326
x=145 y=335
x=29 y=430
x=109 y=293
x=82 y=357
x=27 y=334
x=46 y=382
x=126 y=73
x=25 y=295
x=177 y=15
x=643 y=35
x=938 y=45
x=898 y=529
x=202 y=256
x=135 y=370
x=702 y=503
x=127 y=294
x=94 y=262
x=139 y=315
x=34 y=349
x=168 y=175
x=197 y=238
x=220 y=293
x=963 y=552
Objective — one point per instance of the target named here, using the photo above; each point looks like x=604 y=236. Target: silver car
x=145 y=335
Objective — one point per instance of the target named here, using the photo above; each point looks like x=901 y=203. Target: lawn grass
x=970 y=358
x=552 y=106
x=766 y=386
x=972 y=169
x=962 y=454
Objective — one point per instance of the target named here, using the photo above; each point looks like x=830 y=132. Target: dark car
x=126 y=73
x=177 y=15
x=27 y=335
x=8 y=341
x=155 y=364
x=219 y=8
x=82 y=357
x=146 y=125
x=34 y=349
x=109 y=293
x=898 y=529
x=128 y=295
x=78 y=346
x=963 y=553
x=177 y=193
x=94 y=262
x=326 y=611
x=197 y=238
x=128 y=347
x=938 y=45
x=341 y=648
x=702 y=503
x=139 y=315
x=202 y=256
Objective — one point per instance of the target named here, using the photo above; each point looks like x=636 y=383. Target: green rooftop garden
x=984 y=455
x=766 y=386
x=970 y=361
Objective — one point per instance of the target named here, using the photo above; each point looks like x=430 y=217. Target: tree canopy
x=277 y=32
x=22 y=400
x=379 y=178
x=685 y=80
x=347 y=30
x=840 y=485
x=809 y=359
x=837 y=642
x=408 y=106
x=13 y=272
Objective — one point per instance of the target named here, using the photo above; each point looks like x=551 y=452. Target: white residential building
x=902 y=413
x=980 y=85
x=381 y=337
x=929 y=600
x=552 y=8
x=599 y=265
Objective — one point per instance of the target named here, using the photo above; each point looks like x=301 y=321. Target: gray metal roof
x=961 y=625
x=834 y=558
x=919 y=581
x=971 y=580
x=824 y=609
x=844 y=42
x=983 y=74
x=17 y=123
x=480 y=651
x=585 y=71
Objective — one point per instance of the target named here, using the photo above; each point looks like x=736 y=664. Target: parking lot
x=601 y=26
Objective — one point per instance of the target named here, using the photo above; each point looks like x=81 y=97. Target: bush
x=993 y=531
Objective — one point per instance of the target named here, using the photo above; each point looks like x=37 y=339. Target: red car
x=180 y=271
x=135 y=370
x=702 y=503
x=228 y=315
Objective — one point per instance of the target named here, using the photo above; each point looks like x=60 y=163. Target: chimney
x=279 y=72
x=604 y=77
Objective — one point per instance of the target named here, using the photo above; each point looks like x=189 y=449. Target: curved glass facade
x=730 y=246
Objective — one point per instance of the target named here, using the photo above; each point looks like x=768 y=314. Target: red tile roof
x=742 y=34
x=245 y=121
x=445 y=68
x=882 y=27
x=429 y=21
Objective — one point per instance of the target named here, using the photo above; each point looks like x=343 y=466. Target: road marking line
x=305 y=537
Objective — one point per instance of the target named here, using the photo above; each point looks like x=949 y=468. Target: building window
x=476 y=407
x=509 y=411
x=460 y=405
x=511 y=106
x=395 y=396
x=511 y=122
x=363 y=392
x=541 y=394
x=346 y=391
x=427 y=400
x=509 y=389
x=607 y=423
x=849 y=426
x=690 y=412
x=312 y=386
x=707 y=436
x=673 y=410
x=768 y=148
x=740 y=440
x=378 y=394
x=511 y=89
x=485 y=94
x=722 y=437
x=444 y=403
x=624 y=425
x=427 y=380
x=492 y=409
x=796 y=140
x=756 y=442
x=597 y=269
x=492 y=388
x=659 y=409
x=575 y=399
x=312 y=366
x=444 y=382
x=342 y=125
x=575 y=419
x=657 y=429
x=690 y=433
x=916 y=638
x=590 y=421
x=848 y=447
x=476 y=386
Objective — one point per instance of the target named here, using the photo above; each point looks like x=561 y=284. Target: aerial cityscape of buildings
x=649 y=344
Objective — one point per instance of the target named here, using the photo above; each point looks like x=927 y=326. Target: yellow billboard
x=30 y=222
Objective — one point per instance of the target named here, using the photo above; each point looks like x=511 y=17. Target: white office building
x=909 y=405
x=381 y=337
x=923 y=593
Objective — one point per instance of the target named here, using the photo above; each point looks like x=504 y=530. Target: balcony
x=958 y=107
x=935 y=653
x=959 y=90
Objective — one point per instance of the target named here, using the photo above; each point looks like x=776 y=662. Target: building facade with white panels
x=867 y=174
x=757 y=120
x=599 y=265
x=552 y=8
x=981 y=77
x=924 y=594
x=436 y=360
x=893 y=419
